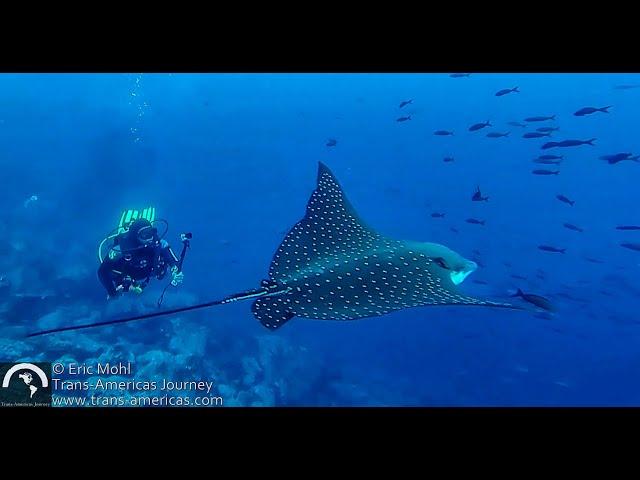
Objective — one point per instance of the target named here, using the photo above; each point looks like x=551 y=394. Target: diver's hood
x=140 y=233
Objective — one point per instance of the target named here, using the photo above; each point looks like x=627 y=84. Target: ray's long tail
x=232 y=298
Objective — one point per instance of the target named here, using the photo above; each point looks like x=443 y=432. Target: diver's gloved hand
x=119 y=290
x=131 y=288
x=176 y=277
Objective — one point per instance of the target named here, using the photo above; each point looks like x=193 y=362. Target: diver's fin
x=272 y=312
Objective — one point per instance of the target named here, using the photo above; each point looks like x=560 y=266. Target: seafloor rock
x=156 y=364
x=266 y=396
x=67 y=315
x=79 y=344
x=230 y=397
x=189 y=341
x=66 y=360
x=114 y=355
x=14 y=350
x=53 y=319
x=252 y=370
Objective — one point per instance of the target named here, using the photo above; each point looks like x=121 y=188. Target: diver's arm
x=172 y=260
x=169 y=255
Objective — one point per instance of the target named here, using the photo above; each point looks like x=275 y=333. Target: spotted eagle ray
x=332 y=266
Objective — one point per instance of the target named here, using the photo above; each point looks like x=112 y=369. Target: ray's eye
x=440 y=261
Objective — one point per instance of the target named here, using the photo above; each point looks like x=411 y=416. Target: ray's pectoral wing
x=330 y=231
x=394 y=280
x=439 y=288
x=273 y=312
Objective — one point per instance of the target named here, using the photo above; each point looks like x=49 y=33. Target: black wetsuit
x=136 y=266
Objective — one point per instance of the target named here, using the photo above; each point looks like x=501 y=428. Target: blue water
x=233 y=159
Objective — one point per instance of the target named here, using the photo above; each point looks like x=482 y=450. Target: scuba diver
x=138 y=252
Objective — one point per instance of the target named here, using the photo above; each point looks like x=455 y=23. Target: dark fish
x=548 y=248
x=497 y=134
x=518 y=124
x=564 y=199
x=540 y=275
x=477 y=196
x=478 y=126
x=437 y=215
x=405 y=102
x=536 y=135
x=616 y=157
x=518 y=277
x=460 y=75
x=589 y=110
x=454 y=229
x=442 y=133
x=474 y=221
x=539 y=119
x=551 y=157
x=403 y=119
x=448 y=159
x=631 y=246
x=625 y=87
x=480 y=282
x=572 y=227
x=547 y=129
x=619 y=157
x=476 y=252
x=593 y=260
x=332 y=142
x=628 y=227
x=547 y=162
x=543 y=316
x=536 y=300
x=568 y=143
x=545 y=172
x=506 y=91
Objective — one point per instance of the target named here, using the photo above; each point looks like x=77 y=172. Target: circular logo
x=25 y=372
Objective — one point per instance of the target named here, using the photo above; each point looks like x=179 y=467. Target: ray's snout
x=459 y=275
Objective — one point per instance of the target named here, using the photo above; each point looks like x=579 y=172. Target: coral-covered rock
x=14 y=350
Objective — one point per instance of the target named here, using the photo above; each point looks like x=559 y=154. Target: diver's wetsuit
x=135 y=266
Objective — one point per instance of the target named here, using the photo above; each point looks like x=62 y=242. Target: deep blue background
x=233 y=159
